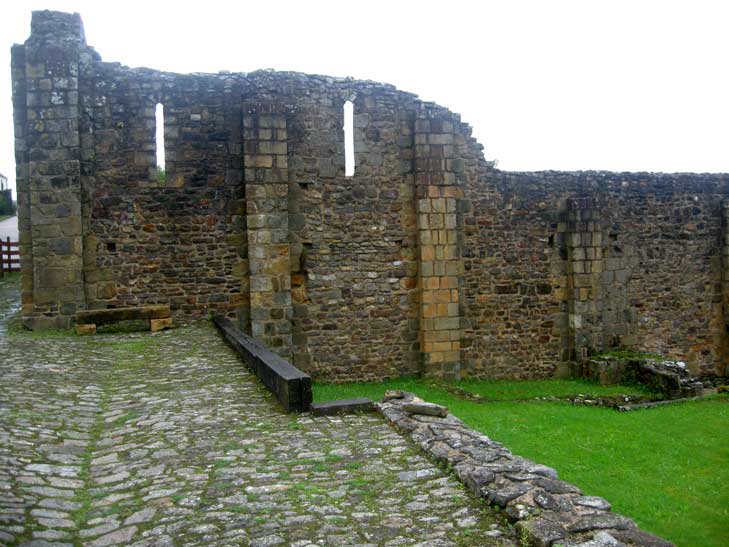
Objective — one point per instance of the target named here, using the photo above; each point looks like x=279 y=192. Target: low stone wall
x=546 y=511
x=291 y=387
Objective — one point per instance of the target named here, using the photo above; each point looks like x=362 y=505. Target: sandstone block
x=160 y=324
x=89 y=328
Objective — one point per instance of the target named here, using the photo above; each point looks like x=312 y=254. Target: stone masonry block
x=438 y=205
x=446 y=323
x=431 y=282
x=160 y=324
x=427 y=253
x=86 y=329
x=429 y=310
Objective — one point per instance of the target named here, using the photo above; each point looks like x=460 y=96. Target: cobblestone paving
x=166 y=439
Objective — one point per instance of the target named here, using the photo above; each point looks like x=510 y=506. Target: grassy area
x=667 y=467
x=550 y=388
x=496 y=390
x=628 y=354
x=5 y=217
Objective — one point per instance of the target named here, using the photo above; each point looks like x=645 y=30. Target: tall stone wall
x=427 y=260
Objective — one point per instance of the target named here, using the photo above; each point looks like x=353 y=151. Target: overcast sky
x=633 y=85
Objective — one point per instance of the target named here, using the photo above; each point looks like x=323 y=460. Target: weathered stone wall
x=180 y=240
x=561 y=265
x=426 y=260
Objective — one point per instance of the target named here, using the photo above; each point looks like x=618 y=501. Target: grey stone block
x=428 y=409
x=540 y=532
x=602 y=521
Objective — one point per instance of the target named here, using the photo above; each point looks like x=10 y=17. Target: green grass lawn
x=666 y=467
x=5 y=217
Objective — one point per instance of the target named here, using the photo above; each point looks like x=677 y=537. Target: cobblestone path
x=166 y=439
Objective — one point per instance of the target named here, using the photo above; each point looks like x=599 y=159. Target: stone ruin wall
x=559 y=265
x=426 y=260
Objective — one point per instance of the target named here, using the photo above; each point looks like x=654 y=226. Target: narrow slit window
x=348 y=139
x=159 y=115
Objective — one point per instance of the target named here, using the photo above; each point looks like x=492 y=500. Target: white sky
x=635 y=85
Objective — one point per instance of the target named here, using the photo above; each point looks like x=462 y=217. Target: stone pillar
x=439 y=265
x=583 y=238
x=266 y=187
x=20 y=124
x=53 y=286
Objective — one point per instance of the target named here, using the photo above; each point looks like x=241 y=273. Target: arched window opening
x=159 y=115
x=348 y=139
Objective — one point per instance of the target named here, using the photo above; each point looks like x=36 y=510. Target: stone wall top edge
x=48 y=22
x=52 y=25
x=615 y=174
x=56 y=26
x=263 y=74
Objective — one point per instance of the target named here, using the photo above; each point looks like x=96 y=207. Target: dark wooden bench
x=159 y=317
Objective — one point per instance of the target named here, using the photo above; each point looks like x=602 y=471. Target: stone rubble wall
x=445 y=265
x=563 y=265
x=545 y=510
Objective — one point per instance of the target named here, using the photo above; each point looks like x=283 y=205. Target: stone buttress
x=46 y=79
x=439 y=260
x=267 y=185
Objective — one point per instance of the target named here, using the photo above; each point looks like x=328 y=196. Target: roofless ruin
x=426 y=259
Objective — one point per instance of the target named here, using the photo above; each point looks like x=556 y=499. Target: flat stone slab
x=114 y=315
x=428 y=409
x=593 y=502
x=640 y=537
x=343 y=406
x=540 y=532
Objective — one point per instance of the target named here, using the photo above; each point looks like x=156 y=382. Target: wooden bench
x=158 y=316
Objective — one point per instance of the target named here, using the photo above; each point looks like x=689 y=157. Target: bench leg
x=160 y=324
x=86 y=329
